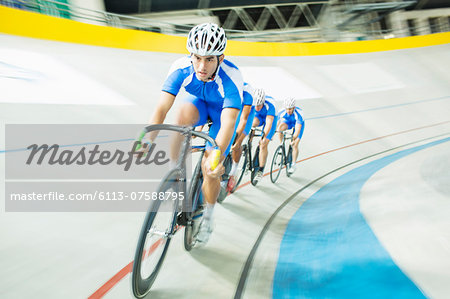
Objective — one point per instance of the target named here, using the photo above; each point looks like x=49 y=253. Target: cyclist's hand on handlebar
x=217 y=172
x=143 y=149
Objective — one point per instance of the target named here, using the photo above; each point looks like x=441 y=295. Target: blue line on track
x=378 y=108
x=329 y=251
x=311 y=118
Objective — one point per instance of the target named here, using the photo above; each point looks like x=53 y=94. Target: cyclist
x=251 y=97
x=214 y=90
x=288 y=118
x=265 y=116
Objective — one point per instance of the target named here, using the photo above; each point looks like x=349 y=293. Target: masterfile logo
x=53 y=155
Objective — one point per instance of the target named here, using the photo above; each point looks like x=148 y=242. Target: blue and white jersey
x=267 y=109
x=225 y=90
x=294 y=118
x=248 y=94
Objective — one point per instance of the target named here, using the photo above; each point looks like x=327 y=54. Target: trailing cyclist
x=251 y=97
x=214 y=90
x=265 y=116
x=288 y=118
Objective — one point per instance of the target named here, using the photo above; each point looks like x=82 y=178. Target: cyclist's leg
x=192 y=112
x=296 y=143
x=265 y=143
x=257 y=121
x=257 y=172
x=255 y=124
x=263 y=153
x=210 y=192
x=283 y=126
x=237 y=150
x=211 y=185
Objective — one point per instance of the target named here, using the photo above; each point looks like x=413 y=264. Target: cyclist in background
x=265 y=116
x=288 y=118
x=214 y=90
x=251 y=97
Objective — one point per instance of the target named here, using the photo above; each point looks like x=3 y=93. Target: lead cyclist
x=214 y=90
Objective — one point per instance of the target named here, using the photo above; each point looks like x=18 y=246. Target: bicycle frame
x=281 y=150
x=286 y=136
x=249 y=145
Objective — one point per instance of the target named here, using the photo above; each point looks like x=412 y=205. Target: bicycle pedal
x=182 y=219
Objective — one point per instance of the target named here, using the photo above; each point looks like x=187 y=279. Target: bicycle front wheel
x=277 y=164
x=154 y=239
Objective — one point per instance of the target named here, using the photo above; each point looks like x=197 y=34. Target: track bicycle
x=159 y=227
x=280 y=158
x=227 y=164
x=249 y=162
x=244 y=165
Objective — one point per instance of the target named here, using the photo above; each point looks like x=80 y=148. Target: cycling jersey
x=291 y=120
x=248 y=94
x=267 y=110
x=248 y=101
x=225 y=90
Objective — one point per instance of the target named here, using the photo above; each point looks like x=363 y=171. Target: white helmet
x=206 y=39
x=259 y=97
x=289 y=103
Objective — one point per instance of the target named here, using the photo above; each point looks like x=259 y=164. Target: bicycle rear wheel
x=255 y=167
x=154 y=239
x=195 y=206
x=289 y=161
x=241 y=167
x=277 y=164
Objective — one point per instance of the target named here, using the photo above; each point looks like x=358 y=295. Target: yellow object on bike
x=215 y=159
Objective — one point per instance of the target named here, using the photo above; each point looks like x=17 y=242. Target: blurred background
x=372 y=78
x=260 y=20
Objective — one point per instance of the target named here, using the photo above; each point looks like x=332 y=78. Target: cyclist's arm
x=159 y=115
x=228 y=122
x=269 y=124
x=278 y=123
x=243 y=121
x=298 y=127
x=298 y=124
x=165 y=103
